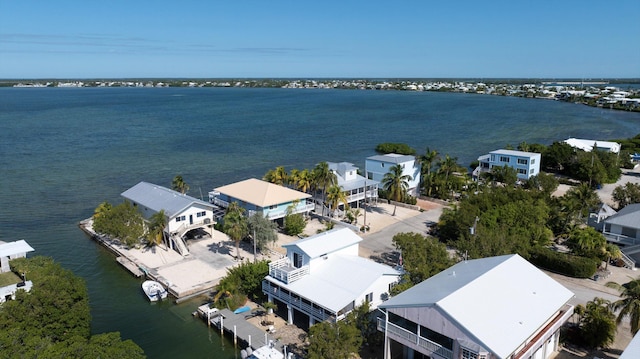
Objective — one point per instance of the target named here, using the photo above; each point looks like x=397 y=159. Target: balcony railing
x=283 y=271
x=408 y=336
x=320 y=314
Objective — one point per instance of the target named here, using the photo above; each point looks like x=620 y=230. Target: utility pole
x=365 y=205
x=254 y=246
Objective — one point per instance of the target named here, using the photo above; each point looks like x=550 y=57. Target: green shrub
x=399 y=148
x=563 y=263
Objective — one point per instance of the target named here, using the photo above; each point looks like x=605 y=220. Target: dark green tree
x=422 y=257
x=178 y=184
x=122 y=222
x=597 y=324
x=334 y=340
x=626 y=194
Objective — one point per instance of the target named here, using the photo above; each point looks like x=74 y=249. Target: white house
x=184 y=213
x=271 y=200
x=9 y=251
x=526 y=164
x=624 y=226
x=323 y=278
x=378 y=166
x=357 y=187
x=587 y=145
x=490 y=308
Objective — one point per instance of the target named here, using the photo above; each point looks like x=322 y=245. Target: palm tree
x=629 y=305
x=235 y=225
x=611 y=251
x=157 y=224
x=323 y=177
x=396 y=184
x=426 y=161
x=277 y=176
x=178 y=184
x=336 y=196
x=304 y=180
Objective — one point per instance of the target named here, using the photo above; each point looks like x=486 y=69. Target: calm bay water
x=63 y=151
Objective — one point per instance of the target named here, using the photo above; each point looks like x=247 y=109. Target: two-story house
x=358 y=189
x=183 y=213
x=526 y=164
x=491 y=308
x=323 y=278
x=378 y=166
x=271 y=200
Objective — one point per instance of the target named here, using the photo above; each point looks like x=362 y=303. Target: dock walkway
x=238 y=327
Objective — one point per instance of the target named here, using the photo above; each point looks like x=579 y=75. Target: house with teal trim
x=378 y=166
x=270 y=200
x=491 y=308
x=526 y=164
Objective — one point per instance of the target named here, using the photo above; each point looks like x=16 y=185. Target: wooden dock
x=240 y=329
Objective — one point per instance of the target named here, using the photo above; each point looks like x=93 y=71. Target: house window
x=533 y=171
x=522 y=171
x=274 y=206
x=369 y=297
x=370 y=175
x=180 y=218
x=382 y=164
x=201 y=214
x=522 y=161
x=504 y=159
x=468 y=354
x=533 y=161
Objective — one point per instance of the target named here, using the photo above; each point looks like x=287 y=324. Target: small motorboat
x=154 y=290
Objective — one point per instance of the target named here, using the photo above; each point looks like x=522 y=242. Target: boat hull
x=154 y=290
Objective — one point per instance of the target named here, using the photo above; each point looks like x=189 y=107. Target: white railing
x=407 y=335
x=318 y=313
x=283 y=271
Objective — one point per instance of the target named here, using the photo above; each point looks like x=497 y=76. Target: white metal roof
x=587 y=145
x=501 y=301
x=515 y=153
x=392 y=158
x=325 y=242
x=158 y=198
x=13 y=248
x=338 y=281
x=261 y=193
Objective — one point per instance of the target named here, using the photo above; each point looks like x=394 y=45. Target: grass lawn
x=9 y=278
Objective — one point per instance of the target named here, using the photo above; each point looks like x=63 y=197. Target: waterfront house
x=526 y=164
x=624 y=226
x=588 y=145
x=323 y=278
x=271 y=200
x=358 y=189
x=184 y=213
x=490 y=308
x=9 y=251
x=378 y=166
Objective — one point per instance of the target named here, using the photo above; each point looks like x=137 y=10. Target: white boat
x=265 y=352
x=154 y=290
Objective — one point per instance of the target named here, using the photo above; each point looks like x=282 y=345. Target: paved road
x=379 y=245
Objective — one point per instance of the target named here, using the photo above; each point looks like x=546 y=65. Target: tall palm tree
x=336 y=196
x=396 y=184
x=178 y=184
x=629 y=305
x=304 y=180
x=323 y=178
x=157 y=224
x=277 y=176
x=235 y=225
x=426 y=164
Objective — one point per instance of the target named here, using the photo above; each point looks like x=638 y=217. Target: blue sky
x=271 y=38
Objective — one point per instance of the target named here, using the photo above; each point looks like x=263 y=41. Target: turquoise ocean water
x=63 y=151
